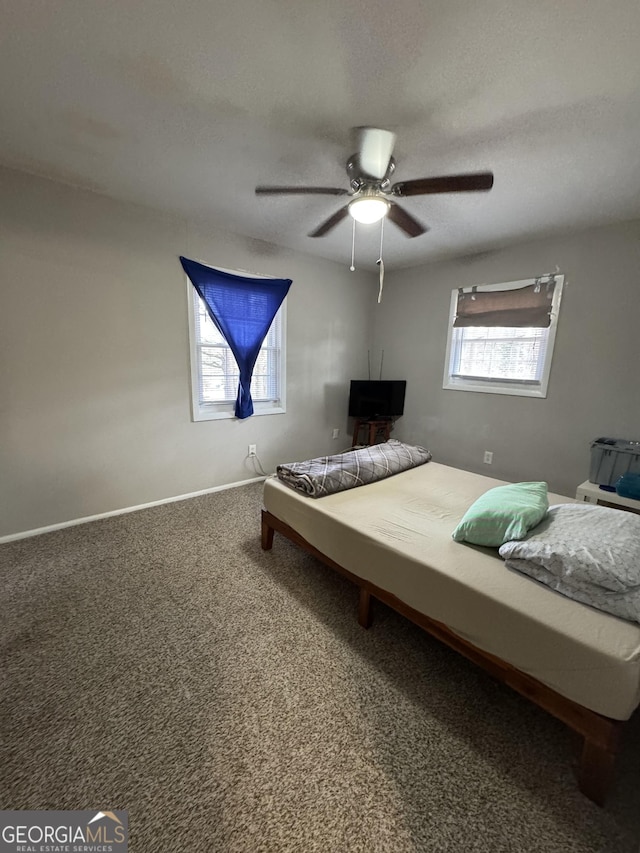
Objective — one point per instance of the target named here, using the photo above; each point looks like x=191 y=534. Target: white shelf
x=593 y=494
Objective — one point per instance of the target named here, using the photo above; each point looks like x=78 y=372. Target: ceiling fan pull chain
x=380 y=263
x=353 y=247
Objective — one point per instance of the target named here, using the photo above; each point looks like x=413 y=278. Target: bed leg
x=364 y=608
x=266 y=535
x=596 y=768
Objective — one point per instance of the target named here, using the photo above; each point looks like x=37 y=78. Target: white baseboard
x=12 y=537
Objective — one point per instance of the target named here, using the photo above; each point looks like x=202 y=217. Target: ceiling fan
x=373 y=195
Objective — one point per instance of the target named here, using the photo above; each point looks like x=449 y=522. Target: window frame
x=500 y=386
x=205 y=411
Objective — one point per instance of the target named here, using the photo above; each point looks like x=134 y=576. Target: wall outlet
x=336 y=433
x=252 y=450
x=488 y=457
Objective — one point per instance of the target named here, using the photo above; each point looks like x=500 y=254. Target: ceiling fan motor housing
x=359 y=178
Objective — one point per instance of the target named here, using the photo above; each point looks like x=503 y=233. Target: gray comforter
x=329 y=474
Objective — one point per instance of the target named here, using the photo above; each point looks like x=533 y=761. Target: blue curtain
x=242 y=309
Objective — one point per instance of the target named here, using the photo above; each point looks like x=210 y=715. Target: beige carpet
x=160 y=662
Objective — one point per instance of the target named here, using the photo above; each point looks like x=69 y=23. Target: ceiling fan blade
x=331 y=222
x=474 y=182
x=376 y=148
x=406 y=222
x=301 y=191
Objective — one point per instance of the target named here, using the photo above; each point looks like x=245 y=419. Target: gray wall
x=94 y=366
x=94 y=376
x=593 y=388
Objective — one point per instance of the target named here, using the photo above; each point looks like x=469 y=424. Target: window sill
x=489 y=388
x=205 y=413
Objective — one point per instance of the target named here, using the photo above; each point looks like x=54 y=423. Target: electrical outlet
x=488 y=457
x=336 y=433
x=252 y=450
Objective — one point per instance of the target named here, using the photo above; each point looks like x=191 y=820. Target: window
x=490 y=347
x=215 y=374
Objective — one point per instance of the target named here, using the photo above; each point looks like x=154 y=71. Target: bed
x=393 y=539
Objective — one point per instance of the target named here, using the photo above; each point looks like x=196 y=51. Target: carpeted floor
x=160 y=662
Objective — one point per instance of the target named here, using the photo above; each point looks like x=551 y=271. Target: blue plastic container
x=628 y=486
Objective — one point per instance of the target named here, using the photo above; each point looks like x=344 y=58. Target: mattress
x=396 y=534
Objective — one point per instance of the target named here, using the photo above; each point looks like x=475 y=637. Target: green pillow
x=503 y=514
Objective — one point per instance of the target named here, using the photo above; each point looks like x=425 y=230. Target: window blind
x=522 y=307
x=506 y=354
x=219 y=375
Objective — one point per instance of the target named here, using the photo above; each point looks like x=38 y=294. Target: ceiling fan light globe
x=368 y=210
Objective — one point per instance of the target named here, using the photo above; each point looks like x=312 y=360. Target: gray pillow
x=586 y=552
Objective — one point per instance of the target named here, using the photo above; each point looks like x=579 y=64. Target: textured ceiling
x=187 y=106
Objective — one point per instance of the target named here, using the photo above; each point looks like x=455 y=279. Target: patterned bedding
x=327 y=475
x=589 y=553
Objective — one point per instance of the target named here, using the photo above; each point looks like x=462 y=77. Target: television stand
x=375 y=427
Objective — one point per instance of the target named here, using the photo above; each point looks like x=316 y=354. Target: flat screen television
x=381 y=398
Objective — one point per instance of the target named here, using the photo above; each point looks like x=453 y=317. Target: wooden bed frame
x=601 y=735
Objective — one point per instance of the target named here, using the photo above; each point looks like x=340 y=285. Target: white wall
x=94 y=364
x=593 y=389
